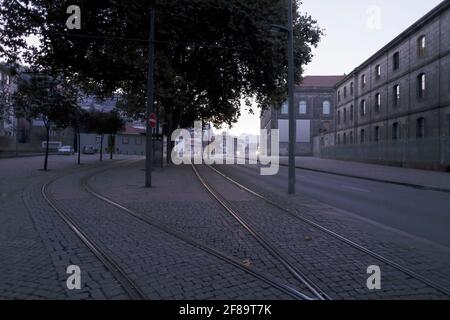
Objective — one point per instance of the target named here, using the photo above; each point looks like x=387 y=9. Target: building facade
x=314 y=102
x=395 y=107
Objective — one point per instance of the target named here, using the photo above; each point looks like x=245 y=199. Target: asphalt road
x=421 y=213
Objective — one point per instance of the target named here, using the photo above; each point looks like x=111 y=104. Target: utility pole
x=150 y=102
x=289 y=30
x=292 y=122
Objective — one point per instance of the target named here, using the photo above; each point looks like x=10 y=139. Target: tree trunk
x=101 y=148
x=79 y=146
x=47 y=148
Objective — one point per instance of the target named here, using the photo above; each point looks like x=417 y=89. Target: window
x=363 y=81
x=420 y=128
x=285 y=108
x=345 y=115
x=98 y=139
x=421 y=46
x=352 y=88
x=396 y=95
x=396 y=61
x=138 y=141
x=345 y=92
x=302 y=109
x=363 y=109
x=362 y=136
x=395 y=131
x=378 y=71
x=351 y=137
x=339 y=96
x=376 y=133
x=326 y=107
x=377 y=102
x=125 y=140
x=345 y=138
x=351 y=112
x=338 y=139
x=339 y=117
x=421 y=85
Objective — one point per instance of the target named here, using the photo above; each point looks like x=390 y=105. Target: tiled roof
x=320 y=81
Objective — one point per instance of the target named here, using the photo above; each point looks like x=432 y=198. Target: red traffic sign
x=152 y=120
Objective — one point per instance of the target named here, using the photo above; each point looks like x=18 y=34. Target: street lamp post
x=150 y=102
x=292 y=123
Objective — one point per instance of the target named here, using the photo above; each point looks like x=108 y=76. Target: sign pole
x=150 y=102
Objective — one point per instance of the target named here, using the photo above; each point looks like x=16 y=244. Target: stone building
x=395 y=107
x=314 y=102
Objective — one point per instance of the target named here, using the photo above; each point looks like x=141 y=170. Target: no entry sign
x=152 y=120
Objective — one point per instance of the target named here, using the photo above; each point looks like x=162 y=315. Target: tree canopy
x=209 y=53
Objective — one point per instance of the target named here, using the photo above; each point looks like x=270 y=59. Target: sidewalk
x=432 y=180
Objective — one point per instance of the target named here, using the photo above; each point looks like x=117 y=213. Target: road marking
x=355 y=188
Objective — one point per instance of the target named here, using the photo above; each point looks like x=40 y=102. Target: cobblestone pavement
x=37 y=246
x=163 y=266
x=421 y=256
x=339 y=269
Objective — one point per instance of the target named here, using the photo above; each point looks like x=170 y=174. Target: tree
x=209 y=53
x=105 y=123
x=50 y=99
x=78 y=122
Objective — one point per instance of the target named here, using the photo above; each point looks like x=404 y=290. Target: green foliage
x=104 y=122
x=209 y=53
x=47 y=98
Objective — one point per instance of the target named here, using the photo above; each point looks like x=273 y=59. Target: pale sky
x=354 y=30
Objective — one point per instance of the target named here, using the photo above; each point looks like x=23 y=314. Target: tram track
x=287 y=289
x=336 y=235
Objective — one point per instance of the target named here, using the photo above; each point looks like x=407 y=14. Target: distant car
x=89 y=150
x=66 y=150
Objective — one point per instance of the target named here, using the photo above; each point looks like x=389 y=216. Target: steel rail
x=294 y=293
x=349 y=242
x=126 y=282
x=265 y=243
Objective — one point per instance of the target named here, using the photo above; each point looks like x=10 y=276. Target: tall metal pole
x=150 y=102
x=292 y=122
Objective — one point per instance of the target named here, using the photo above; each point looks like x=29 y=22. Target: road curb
x=411 y=185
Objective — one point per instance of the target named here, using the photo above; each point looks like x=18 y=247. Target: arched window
x=395 y=131
x=302 y=107
x=363 y=109
x=326 y=107
x=377 y=102
x=421 y=128
x=396 y=61
x=421 y=84
x=362 y=136
x=421 y=46
x=396 y=98
x=376 y=133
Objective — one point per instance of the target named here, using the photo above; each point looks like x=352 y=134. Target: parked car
x=89 y=150
x=66 y=150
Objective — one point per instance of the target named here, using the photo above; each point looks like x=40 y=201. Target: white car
x=66 y=150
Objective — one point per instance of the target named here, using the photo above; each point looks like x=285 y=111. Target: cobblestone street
x=176 y=241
